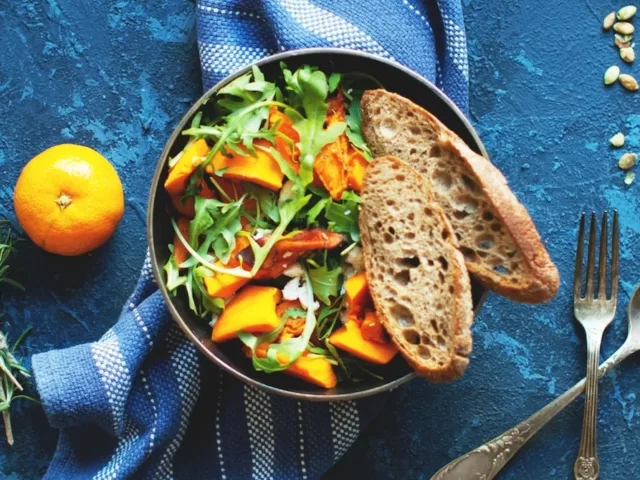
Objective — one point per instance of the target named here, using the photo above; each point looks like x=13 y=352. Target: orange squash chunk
x=192 y=157
x=356 y=166
x=180 y=253
x=187 y=208
x=288 y=149
x=357 y=294
x=262 y=169
x=315 y=370
x=235 y=190
x=225 y=285
x=349 y=338
x=294 y=325
x=252 y=310
x=329 y=165
x=286 y=251
x=372 y=328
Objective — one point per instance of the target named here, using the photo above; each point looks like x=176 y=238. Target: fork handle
x=587 y=466
x=484 y=462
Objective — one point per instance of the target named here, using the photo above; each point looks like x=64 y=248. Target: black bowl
x=229 y=356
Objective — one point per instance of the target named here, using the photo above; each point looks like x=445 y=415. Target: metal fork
x=594 y=313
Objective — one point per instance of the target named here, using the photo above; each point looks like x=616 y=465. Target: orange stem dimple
x=63 y=201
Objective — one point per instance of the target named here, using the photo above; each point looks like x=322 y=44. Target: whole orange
x=69 y=199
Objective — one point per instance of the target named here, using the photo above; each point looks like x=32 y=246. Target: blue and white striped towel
x=141 y=402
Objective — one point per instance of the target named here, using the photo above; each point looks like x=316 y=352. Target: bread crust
x=458 y=313
x=542 y=280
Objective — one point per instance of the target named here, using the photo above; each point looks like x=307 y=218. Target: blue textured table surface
x=118 y=75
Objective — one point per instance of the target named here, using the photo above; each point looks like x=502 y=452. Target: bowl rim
x=156 y=268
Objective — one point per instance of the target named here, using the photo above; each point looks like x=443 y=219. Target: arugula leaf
x=294 y=313
x=288 y=209
x=354 y=127
x=343 y=216
x=316 y=210
x=325 y=282
x=334 y=81
x=174 y=279
x=310 y=86
x=267 y=200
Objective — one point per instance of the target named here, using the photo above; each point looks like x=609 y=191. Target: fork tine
x=577 y=276
x=615 y=260
x=591 y=257
x=602 y=262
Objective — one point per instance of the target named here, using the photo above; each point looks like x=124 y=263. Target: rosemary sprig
x=10 y=366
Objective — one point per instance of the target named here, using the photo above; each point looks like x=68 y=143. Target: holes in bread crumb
x=442 y=343
x=444 y=263
x=415 y=130
x=380 y=276
x=441 y=277
x=413 y=151
x=488 y=216
x=482 y=254
x=400 y=177
x=411 y=336
x=388 y=128
x=445 y=234
x=485 y=242
x=392 y=230
x=428 y=212
x=426 y=340
x=402 y=315
x=411 y=216
x=496 y=227
x=390 y=202
x=408 y=262
x=479 y=228
x=434 y=326
x=451 y=289
x=468 y=253
x=378 y=225
x=442 y=181
x=460 y=215
x=464 y=205
x=458 y=236
x=435 y=151
x=424 y=352
x=501 y=269
x=430 y=262
x=402 y=277
x=388 y=238
x=469 y=184
x=410 y=235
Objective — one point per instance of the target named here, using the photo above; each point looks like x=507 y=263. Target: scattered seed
x=625 y=13
x=617 y=140
x=609 y=20
x=622 y=41
x=627 y=54
x=628 y=82
x=629 y=178
x=611 y=75
x=627 y=161
x=624 y=28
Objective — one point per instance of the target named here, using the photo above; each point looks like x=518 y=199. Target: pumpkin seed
x=624 y=28
x=617 y=140
x=628 y=82
x=625 y=13
x=627 y=161
x=608 y=21
x=629 y=178
x=611 y=75
x=627 y=54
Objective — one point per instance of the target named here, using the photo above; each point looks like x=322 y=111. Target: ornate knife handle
x=486 y=461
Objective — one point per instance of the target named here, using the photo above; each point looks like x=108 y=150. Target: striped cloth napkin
x=141 y=402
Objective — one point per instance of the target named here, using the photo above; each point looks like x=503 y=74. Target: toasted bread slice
x=497 y=237
x=416 y=275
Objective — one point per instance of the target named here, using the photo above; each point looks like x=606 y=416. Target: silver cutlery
x=594 y=313
x=484 y=462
